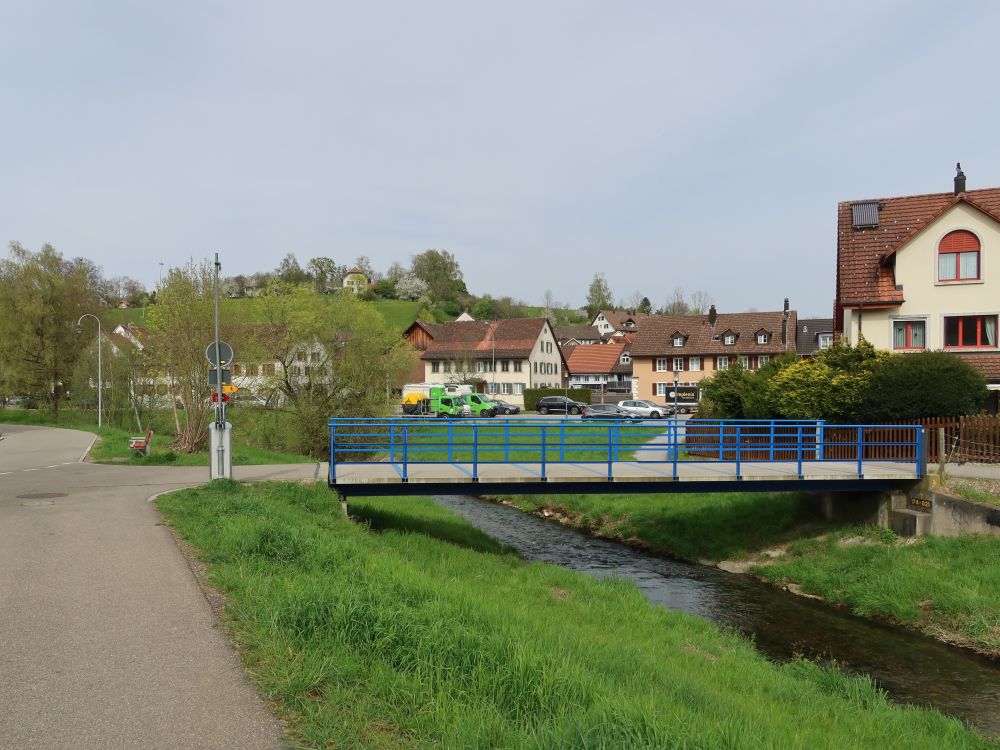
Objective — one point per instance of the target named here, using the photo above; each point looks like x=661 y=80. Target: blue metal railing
x=534 y=443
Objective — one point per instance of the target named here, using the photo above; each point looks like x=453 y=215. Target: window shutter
x=654 y=390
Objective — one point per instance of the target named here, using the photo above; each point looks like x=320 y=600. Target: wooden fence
x=974 y=439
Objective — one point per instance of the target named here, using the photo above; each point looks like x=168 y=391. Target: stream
x=911 y=668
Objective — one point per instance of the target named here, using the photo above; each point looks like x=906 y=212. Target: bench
x=141 y=444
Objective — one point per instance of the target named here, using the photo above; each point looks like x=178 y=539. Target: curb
x=83 y=456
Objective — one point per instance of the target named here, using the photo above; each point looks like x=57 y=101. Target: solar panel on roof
x=864 y=214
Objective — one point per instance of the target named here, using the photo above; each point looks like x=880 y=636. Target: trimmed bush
x=925 y=384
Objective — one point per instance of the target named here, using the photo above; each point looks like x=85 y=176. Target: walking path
x=107 y=639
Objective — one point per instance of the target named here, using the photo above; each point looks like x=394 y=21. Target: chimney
x=712 y=316
x=784 y=325
x=959 y=179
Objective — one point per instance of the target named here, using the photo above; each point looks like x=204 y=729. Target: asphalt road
x=107 y=639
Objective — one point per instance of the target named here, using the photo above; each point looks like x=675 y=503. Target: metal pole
x=220 y=410
x=676 y=386
x=100 y=370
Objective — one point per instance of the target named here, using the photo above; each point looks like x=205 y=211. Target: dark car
x=504 y=408
x=561 y=404
x=608 y=411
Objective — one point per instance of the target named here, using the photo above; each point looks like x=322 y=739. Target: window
x=518 y=389
x=744 y=361
x=722 y=363
x=300 y=356
x=661 y=389
x=517 y=365
x=480 y=366
x=678 y=363
x=958 y=257
x=729 y=340
x=908 y=334
x=504 y=365
x=435 y=366
x=678 y=341
x=825 y=340
x=269 y=368
x=694 y=363
x=505 y=389
x=237 y=370
x=661 y=364
x=762 y=337
x=447 y=366
x=314 y=357
x=971 y=330
x=762 y=360
x=535 y=366
x=492 y=388
x=626 y=358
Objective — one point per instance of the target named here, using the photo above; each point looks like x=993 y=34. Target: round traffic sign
x=225 y=354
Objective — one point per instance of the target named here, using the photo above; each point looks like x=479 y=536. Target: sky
x=664 y=144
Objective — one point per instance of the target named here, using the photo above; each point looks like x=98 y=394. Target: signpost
x=219 y=353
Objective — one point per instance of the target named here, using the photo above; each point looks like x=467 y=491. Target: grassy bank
x=113 y=444
x=376 y=636
x=948 y=588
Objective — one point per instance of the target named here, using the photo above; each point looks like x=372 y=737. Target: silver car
x=647 y=408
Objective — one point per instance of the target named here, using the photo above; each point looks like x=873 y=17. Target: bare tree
x=700 y=302
x=676 y=303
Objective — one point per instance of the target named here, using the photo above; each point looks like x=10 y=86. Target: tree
x=440 y=270
x=181 y=326
x=42 y=296
x=676 y=304
x=410 y=287
x=700 y=302
x=645 y=306
x=364 y=264
x=324 y=273
x=599 y=295
x=334 y=357
x=290 y=271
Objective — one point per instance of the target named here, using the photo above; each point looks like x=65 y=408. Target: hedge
x=531 y=395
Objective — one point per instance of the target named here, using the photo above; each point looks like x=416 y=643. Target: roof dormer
x=762 y=336
x=729 y=337
x=678 y=338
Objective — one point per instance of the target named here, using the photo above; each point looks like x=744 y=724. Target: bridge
x=535 y=455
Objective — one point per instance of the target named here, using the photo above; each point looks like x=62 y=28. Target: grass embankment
x=948 y=588
x=389 y=638
x=113 y=444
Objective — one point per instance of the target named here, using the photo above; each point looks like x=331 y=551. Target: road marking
x=68 y=463
x=53 y=466
x=5 y=472
x=29 y=469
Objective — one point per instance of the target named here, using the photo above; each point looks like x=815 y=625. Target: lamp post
x=100 y=374
x=677 y=375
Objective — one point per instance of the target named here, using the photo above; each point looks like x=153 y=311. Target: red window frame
x=908 y=327
x=954 y=244
x=977 y=321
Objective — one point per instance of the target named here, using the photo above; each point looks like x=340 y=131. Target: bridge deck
x=525 y=478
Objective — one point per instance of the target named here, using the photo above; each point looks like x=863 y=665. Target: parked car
x=646 y=408
x=608 y=411
x=505 y=408
x=562 y=404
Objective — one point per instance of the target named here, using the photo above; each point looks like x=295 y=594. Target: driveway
x=108 y=641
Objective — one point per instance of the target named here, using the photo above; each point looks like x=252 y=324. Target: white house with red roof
x=923 y=272
x=607 y=367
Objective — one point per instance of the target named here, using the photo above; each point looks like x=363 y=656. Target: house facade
x=603 y=368
x=500 y=357
x=922 y=272
x=618 y=321
x=694 y=347
x=813 y=335
x=356 y=281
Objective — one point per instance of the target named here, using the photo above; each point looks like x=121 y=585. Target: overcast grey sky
x=701 y=145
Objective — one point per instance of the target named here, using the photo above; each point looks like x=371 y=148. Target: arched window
x=958 y=257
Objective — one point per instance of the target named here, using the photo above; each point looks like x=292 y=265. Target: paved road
x=106 y=640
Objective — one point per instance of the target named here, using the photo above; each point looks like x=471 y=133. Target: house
x=619 y=321
x=465 y=317
x=813 y=335
x=600 y=367
x=356 y=281
x=690 y=348
x=916 y=273
x=502 y=357
x=572 y=335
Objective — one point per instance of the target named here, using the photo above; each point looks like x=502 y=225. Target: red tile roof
x=656 y=337
x=863 y=276
x=481 y=338
x=595 y=358
x=618 y=318
x=987 y=364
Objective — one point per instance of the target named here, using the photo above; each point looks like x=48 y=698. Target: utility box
x=220 y=451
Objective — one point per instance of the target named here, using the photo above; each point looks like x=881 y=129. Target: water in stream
x=911 y=668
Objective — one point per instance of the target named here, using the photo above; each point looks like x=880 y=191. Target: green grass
x=398 y=313
x=418 y=632
x=978 y=496
x=113 y=444
x=948 y=587
x=689 y=526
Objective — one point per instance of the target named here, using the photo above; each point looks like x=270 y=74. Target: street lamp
x=100 y=374
x=677 y=375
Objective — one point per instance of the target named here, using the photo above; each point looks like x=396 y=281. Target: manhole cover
x=41 y=495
